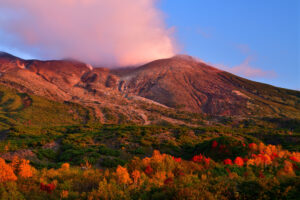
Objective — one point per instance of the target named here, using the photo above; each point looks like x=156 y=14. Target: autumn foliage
x=268 y=168
x=6 y=172
x=47 y=187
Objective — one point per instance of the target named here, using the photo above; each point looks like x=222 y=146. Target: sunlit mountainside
x=174 y=128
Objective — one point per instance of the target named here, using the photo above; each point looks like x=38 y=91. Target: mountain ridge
x=181 y=82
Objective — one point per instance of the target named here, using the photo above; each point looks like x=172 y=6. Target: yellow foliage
x=269 y=150
x=157 y=156
x=250 y=162
x=123 y=175
x=170 y=174
x=136 y=175
x=64 y=194
x=51 y=173
x=267 y=159
x=159 y=178
x=107 y=190
x=288 y=167
x=282 y=154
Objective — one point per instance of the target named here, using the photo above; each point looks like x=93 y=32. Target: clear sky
x=257 y=34
x=256 y=39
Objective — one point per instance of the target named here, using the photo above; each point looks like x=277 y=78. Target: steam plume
x=110 y=32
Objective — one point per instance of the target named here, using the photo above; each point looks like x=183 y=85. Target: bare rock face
x=180 y=82
x=100 y=77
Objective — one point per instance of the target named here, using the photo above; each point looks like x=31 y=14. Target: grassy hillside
x=29 y=110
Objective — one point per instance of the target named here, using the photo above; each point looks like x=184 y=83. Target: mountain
x=64 y=121
x=155 y=91
x=183 y=82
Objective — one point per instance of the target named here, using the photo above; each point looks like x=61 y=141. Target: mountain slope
x=197 y=87
x=181 y=83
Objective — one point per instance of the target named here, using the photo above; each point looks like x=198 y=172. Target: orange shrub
x=64 y=194
x=253 y=146
x=6 y=172
x=123 y=175
x=65 y=166
x=136 y=175
x=25 y=170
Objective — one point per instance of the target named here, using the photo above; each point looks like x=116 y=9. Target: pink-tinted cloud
x=110 y=32
x=245 y=69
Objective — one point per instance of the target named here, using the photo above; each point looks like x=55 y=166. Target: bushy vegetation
x=116 y=144
x=73 y=157
x=258 y=172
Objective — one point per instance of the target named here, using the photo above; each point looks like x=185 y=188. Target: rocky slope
x=178 y=83
x=182 y=82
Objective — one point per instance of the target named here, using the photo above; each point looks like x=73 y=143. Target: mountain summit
x=181 y=83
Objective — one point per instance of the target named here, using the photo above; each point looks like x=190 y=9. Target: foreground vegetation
x=256 y=171
x=46 y=154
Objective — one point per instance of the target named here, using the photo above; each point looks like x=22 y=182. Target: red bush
x=176 y=159
x=168 y=181
x=47 y=187
x=228 y=161
x=239 y=161
x=214 y=144
x=253 y=146
x=206 y=160
x=148 y=170
x=293 y=158
x=197 y=158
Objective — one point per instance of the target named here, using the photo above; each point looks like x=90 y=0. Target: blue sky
x=229 y=32
x=256 y=39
